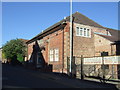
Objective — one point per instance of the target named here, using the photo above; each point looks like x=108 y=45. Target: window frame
x=54 y=55
x=83 y=32
x=77 y=31
x=56 y=51
x=51 y=55
x=88 y=32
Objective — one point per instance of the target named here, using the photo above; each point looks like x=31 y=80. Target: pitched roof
x=24 y=40
x=79 y=18
x=82 y=19
x=115 y=35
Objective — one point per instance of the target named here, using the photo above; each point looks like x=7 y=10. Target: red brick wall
x=66 y=45
x=30 y=50
x=56 y=41
x=60 y=39
x=51 y=41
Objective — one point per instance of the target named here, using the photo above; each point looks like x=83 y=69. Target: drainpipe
x=63 y=52
x=71 y=39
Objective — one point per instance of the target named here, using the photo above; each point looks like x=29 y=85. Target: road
x=20 y=77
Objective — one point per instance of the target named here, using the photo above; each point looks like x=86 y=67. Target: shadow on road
x=20 y=77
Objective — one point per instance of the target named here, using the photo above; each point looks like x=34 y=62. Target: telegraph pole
x=71 y=38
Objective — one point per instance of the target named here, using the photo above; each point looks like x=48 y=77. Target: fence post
x=82 y=76
x=103 y=69
x=112 y=71
x=68 y=66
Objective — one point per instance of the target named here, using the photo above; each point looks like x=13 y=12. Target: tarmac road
x=20 y=77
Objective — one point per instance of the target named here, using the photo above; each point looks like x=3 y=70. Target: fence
x=108 y=67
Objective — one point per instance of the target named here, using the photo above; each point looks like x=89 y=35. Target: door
x=39 y=60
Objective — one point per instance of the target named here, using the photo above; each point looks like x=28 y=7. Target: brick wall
x=86 y=46
x=102 y=44
x=99 y=30
x=0 y=54
x=56 y=42
x=30 y=50
x=83 y=45
x=92 y=46
x=53 y=40
x=66 y=45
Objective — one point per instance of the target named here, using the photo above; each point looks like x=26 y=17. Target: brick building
x=52 y=46
x=0 y=54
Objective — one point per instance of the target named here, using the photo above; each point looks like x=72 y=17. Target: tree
x=15 y=49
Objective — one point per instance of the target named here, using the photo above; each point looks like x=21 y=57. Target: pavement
x=14 y=76
x=114 y=82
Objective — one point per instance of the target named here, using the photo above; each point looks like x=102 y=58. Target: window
x=88 y=32
x=56 y=55
x=85 y=32
x=51 y=55
x=39 y=60
x=104 y=53
x=77 y=31
x=81 y=31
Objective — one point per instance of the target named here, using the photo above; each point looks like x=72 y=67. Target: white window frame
x=56 y=54
x=51 y=55
x=88 y=32
x=77 y=31
x=83 y=32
